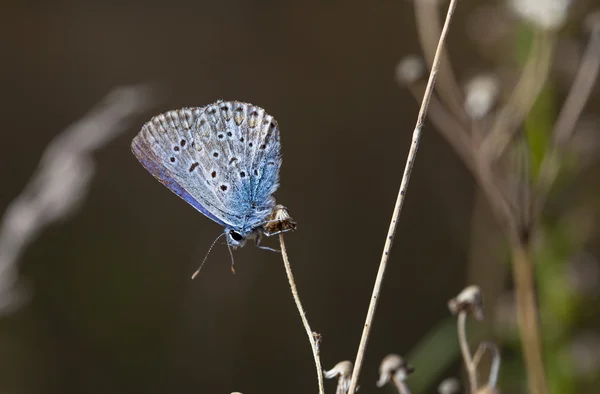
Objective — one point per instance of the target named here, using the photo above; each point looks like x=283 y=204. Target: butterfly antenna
x=206 y=256
x=232 y=261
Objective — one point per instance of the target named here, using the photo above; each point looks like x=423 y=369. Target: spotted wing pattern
x=223 y=159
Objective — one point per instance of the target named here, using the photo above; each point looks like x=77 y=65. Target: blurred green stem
x=529 y=327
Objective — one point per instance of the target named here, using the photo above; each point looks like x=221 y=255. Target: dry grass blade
x=400 y=200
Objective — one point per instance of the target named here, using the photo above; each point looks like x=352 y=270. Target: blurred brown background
x=114 y=309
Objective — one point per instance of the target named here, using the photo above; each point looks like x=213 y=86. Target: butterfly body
x=223 y=159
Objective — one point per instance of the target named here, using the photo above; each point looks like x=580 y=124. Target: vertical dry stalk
x=528 y=318
x=493 y=151
x=400 y=201
x=311 y=337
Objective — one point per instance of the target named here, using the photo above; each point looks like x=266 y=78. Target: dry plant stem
x=399 y=202
x=501 y=205
x=466 y=353
x=447 y=125
x=495 y=367
x=309 y=332
x=523 y=97
x=429 y=29
x=571 y=111
x=520 y=189
x=528 y=318
x=460 y=142
x=580 y=90
x=401 y=385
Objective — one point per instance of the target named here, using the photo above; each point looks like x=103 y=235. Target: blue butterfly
x=222 y=159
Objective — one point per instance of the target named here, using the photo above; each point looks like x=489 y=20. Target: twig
x=564 y=128
x=429 y=29
x=580 y=90
x=496 y=359
x=466 y=353
x=523 y=97
x=448 y=126
x=401 y=385
x=527 y=312
x=311 y=336
x=400 y=201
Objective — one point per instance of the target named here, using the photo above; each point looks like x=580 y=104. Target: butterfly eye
x=236 y=236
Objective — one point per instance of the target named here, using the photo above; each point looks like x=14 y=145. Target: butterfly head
x=235 y=239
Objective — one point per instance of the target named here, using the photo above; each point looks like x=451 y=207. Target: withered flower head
x=393 y=365
x=469 y=300
x=343 y=371
x=280 y=221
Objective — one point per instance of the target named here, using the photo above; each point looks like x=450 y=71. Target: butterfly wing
x=258 y=147
x=222 y=159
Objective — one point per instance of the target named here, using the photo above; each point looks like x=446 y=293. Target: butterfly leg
x=258 y=239
x=285 y=230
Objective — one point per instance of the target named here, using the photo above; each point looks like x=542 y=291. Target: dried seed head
x=410 y=69
x=481 y=94
x=280 y=221
x=450 y=386
x=343 y=371
x=469 y=300
x=393 y=365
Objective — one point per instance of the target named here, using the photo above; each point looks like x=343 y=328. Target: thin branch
x=400 y=201
x=466 y=353
x=580 y=90
x=501 y=204
x=527 y=312
x=464 y=146
x=523 y=97
x=496 y=359
x=448 y=126
x=312 y=338
x=429 y=29
x=400 y=385
x=570 y=113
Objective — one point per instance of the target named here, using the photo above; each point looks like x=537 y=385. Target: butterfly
x=223 y=159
